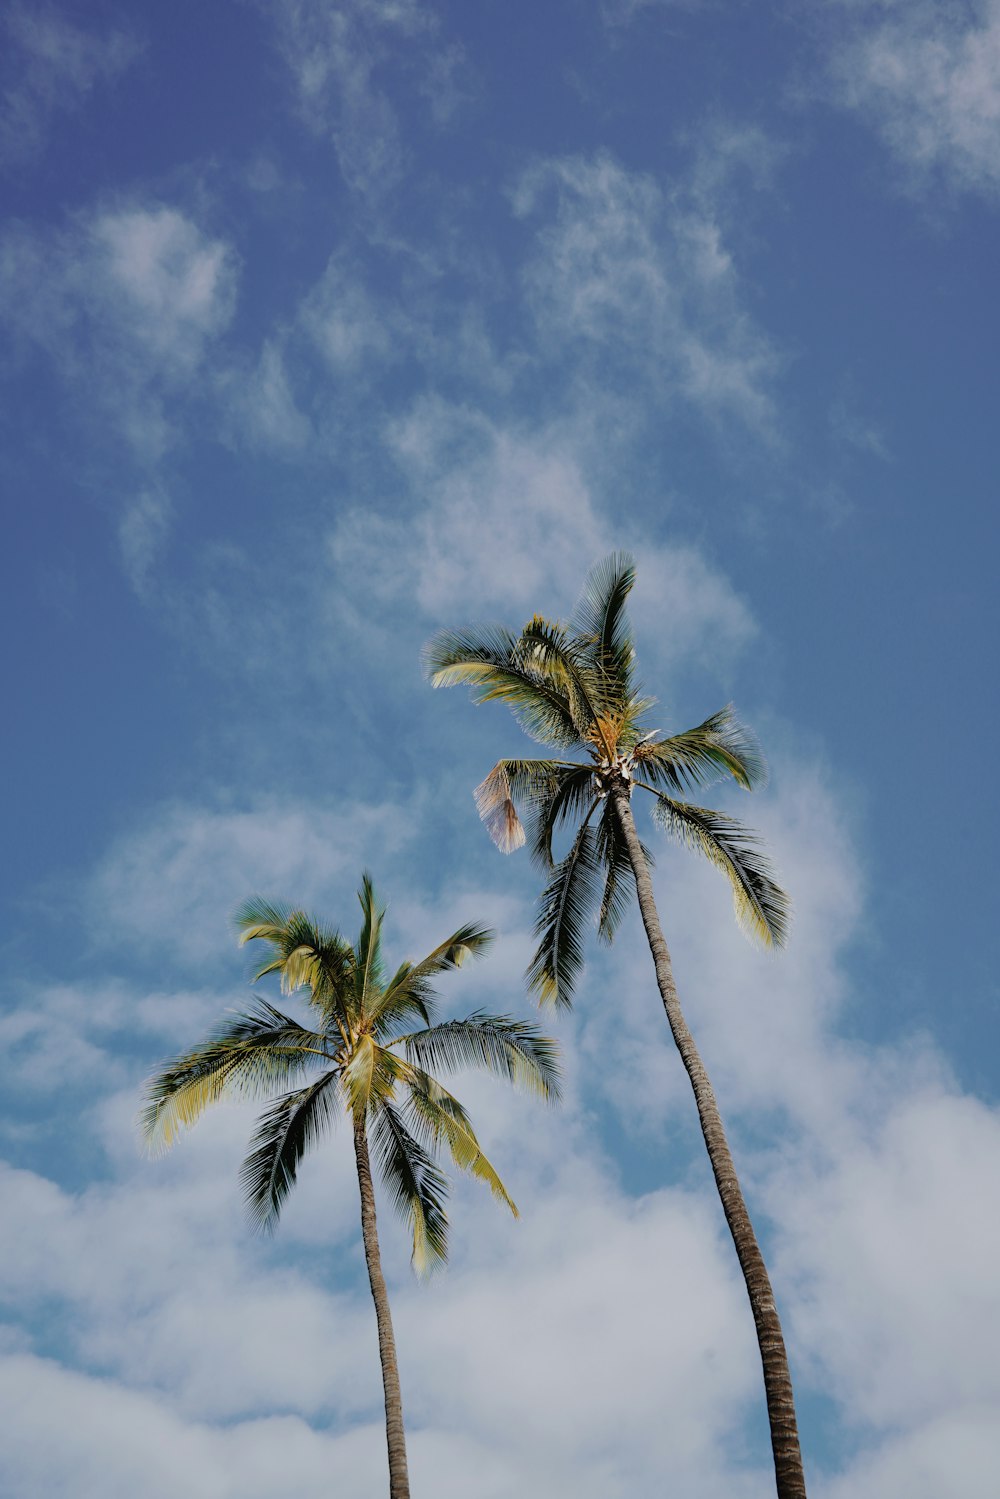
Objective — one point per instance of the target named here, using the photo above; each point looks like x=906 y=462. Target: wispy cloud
x=639 y=280
x=506 y=521
x=338 y=55
x=52 y=66
x=124 y=303
x=927 y=77
x=260 y=404
x=176 y=880
x=143 y=529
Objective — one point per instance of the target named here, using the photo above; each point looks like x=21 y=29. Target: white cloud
x=506 y=522
x=927 y=76
x=955 y=1454
x=53 y=67
x=565 y=1326
x=142 y=532
x=895 y=1247
x=171 y=286
x=643 y=280
x=153 y=1290
x=126 y=305
x=336 y=54
x=111 y=1442
x=176 y=881
x=261 y=403
x=350 y=329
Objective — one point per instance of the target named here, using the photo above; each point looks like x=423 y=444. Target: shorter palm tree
x=360 y=1060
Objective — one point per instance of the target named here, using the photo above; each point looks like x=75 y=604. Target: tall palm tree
x=361 y=1060
x=573 y=687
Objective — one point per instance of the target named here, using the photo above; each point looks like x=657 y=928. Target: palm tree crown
x=573 y=687
x=361 y=1058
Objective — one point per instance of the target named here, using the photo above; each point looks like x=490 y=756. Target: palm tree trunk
x=399 y=1483
x=788 y=1473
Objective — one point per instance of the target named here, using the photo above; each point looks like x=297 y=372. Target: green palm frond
x=565 y=909
x=369 y=973
x=762 y=907
x=406 y=996
x=280 y=927
x=370 y=1075
x=410 y=992
x=721 y=746
x=511 y=1049
x=571 y=795
x=600 y=619
x=417 y=1189
x=549 y=652
x=619 y=877
x=262 y=918
x=290 y=1127
x=489 y=660
x=302 y=953
x=359 y=1074
x=442 y=1119
x=251 y=1054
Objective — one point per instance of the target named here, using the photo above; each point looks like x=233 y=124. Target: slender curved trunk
x=788 y=1472
x=399 y=1482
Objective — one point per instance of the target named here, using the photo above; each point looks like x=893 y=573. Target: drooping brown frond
x=497 y=810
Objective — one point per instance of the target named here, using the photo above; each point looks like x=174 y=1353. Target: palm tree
x=352 y=1058
x=573 y=687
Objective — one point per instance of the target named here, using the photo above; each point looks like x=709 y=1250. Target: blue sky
x=325 y=325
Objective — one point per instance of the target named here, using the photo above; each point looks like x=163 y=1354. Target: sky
x=326 y=325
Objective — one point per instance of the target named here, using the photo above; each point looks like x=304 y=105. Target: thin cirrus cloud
x=176 y=880
x=927 y=78
x=645 y=281
x=52 y=66
x=125 y=304
x=336 y=55
x=523 y=522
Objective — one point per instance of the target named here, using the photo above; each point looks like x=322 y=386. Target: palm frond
x=410 y=991
x=369 y=972
x=762 y=907
x=304 y=954
x=571 y=795
x=290 y=1127
x=262 y=918
x=359 y=1073
x=489 y=660
x=619 y=876
x=417 y=1189
x=721 y=746
x=511 y=1049
x=528 y=782
x=600 y=618
x=565 y=908
x=441 y=1118
x=548 y=651
x=405 y=996
x=250 y=1054
x=495 y=804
